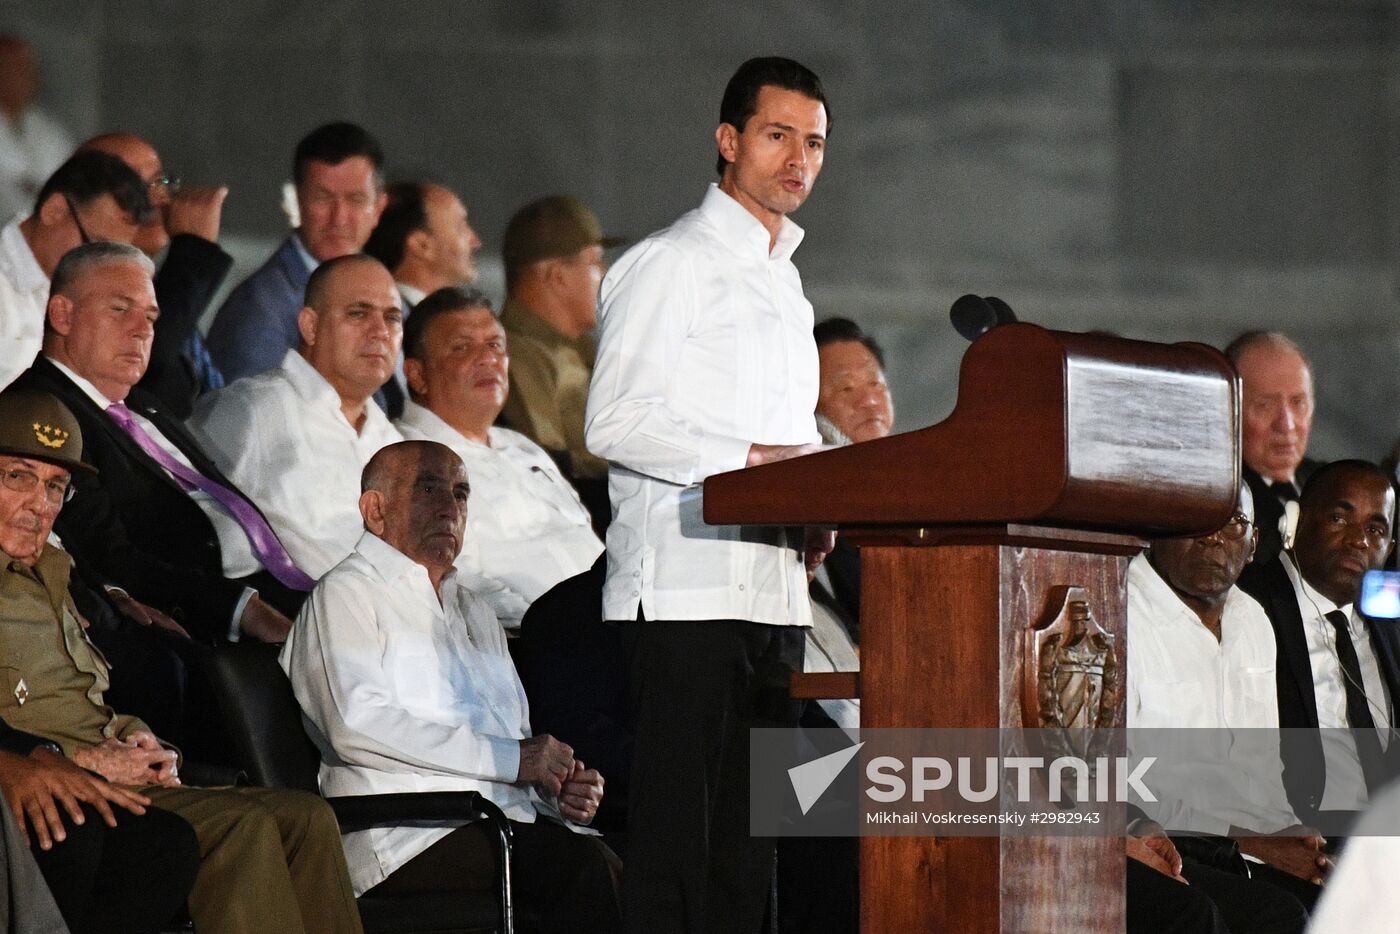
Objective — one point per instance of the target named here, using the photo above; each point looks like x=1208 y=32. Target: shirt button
x=636 y=573
x=636 y=593
x=741 y=586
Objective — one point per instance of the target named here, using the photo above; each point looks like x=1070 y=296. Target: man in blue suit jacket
x=340 y=193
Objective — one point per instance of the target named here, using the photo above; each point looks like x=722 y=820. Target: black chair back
x=265 y=727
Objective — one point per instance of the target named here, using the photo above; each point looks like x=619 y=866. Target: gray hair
x=78 y=261
x=1277 y=340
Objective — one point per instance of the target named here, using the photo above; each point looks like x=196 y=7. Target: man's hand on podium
x=771 y=453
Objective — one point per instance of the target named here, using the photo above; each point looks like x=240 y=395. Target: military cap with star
x=37 y=426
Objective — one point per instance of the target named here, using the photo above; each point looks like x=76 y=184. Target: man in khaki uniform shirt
x=553 y=252
x=271 y=860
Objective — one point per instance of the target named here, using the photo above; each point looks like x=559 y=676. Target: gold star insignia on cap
x=50 y=436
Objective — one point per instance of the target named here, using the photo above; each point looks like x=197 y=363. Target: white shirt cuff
x=235 y=625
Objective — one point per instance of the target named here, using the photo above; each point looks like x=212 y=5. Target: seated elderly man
x=405 y=681
x=270 y=859
x=527 y=529
x=1202 y=656
x=296 y=437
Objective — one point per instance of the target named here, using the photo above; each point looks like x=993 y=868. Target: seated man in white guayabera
x=1201 y=662
x=527 y=530
x=295 y=438
x=406 y=685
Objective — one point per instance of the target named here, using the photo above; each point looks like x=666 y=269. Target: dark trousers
x=1215 y=901
x=128 y=879
x=697 y=688
x=575 y=676
x=566 y=879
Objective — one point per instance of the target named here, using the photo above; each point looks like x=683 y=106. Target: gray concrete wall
x=1167 y=170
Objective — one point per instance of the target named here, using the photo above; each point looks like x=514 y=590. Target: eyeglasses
x=170 y=184
x=1234 y=530
x=57 y=492
x=73 y=212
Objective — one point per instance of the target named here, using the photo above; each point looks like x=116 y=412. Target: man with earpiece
x=1337 y=671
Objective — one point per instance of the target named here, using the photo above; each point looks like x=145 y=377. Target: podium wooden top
x=1051 y=428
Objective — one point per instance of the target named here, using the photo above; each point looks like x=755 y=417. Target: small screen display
x=1380 y=594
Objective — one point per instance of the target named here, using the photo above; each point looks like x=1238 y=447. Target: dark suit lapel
x=177 y=434
x=1386 y=643
x=82 y=404
x=293 y=266
x=1280 y=601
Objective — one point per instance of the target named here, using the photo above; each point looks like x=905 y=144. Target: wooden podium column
x=942 y=630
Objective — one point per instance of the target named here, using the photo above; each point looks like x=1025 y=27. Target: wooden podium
x=1065 y=452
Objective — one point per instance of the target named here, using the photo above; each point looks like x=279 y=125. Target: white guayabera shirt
x=704 y=348
x=1220 y=767
x=406 y=694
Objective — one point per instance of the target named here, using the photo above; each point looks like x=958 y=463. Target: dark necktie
x=266 y=545
x=1363 y=726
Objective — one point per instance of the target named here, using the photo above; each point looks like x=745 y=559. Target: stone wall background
x=1166 y=170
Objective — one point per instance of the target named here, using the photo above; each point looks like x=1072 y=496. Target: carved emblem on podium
x=1070 y=676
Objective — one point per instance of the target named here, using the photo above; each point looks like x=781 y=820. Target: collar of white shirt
x=411 y=293
x=91 y=391
x=1308 y=598
x=305 y=254
x=737 y=226
x=17 y=262
x=1168 y=603
x=315 y=388
x=392 y=564
x=431 y=424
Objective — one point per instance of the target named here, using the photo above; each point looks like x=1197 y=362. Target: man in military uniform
x=270 y=859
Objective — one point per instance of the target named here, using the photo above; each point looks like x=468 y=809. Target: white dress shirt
x=704 y=348
x=24 y=294
x=31 y=148
x=1345 y=788
x=1181 y=677
x=407 y=690
x=526 y=527
x=281 y=437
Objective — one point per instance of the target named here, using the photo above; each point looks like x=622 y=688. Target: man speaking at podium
x=706 y=364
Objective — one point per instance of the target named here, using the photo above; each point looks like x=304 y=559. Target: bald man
x=405 y=674
x=186 y=221
x=295 y=438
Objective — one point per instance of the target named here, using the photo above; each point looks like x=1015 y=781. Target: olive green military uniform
x=549 y=377
x=271 y=860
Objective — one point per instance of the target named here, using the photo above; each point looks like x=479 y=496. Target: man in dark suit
x=1277 y=382
x=158 y=520
x=1336 y=670
x=185 y=223
x=340 y=194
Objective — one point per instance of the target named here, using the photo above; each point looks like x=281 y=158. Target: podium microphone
x=973 y=315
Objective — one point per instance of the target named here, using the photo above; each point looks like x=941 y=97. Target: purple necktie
x=265 y=544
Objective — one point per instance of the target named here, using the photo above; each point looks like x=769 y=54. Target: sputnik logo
x=811 y=779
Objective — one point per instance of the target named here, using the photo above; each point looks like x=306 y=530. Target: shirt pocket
x=415 y=666
x=1176 y=704
x=1256 y=696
